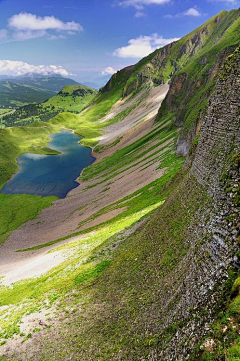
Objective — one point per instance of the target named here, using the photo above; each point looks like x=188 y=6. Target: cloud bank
x=17 y=68
x=142 y=46
x=24 y=26
x=27 y=21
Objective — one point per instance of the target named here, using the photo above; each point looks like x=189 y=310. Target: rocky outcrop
x=196 y=42
x=220 y=131
x=214 y=240
x=183 y=91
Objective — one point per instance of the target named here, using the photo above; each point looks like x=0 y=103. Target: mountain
x=53 y=82
x=141 y=260
x=31 y=88
x=192 y=62
x=72 y=98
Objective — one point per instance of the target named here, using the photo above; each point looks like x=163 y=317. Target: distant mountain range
x=72 y=98
x=30 y=88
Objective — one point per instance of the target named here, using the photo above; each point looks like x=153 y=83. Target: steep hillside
x=191 y=65
x=193 y=84
x=24 y=90
x=139 y=261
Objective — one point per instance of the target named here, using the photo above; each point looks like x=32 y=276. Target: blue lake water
x=51 y=175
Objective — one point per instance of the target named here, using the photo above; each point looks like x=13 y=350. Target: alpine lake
x=51 y=175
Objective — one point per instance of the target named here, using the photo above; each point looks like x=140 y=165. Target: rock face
x=181 y=84
x=216 y=168
x=220 y=134
x=196 y=42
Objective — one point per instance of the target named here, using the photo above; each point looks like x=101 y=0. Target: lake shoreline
x=48 y=175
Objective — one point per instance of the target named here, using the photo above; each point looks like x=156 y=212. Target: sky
x=89 y=40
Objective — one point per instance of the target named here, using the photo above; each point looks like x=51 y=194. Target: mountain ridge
x=24 y=90
x=72 y=98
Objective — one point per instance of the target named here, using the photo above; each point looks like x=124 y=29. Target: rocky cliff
x=214 y=240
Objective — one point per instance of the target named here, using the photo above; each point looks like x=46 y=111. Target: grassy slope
x=190 y=47
x=97 y=257
x=124 y=280
x=71 y=98
x=17 y=209
x=112 y=288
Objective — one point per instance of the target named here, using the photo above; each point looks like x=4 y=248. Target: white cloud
x=139 y=4
x=189 y=12
x=27 y=21
x=16 y=68
x=26 y=26
x=109 y=70
x=192 y=12
x=139 y=14
x=142 y=46
x=3 y=34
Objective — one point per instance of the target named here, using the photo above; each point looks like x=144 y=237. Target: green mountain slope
x=72 y=98
x=191 y=65
x=219 y=32
x=25 y=90
x=150 y=248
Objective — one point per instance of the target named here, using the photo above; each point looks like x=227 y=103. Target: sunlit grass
x=88 y=257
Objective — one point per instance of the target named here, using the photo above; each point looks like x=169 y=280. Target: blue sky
x=90 y=39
